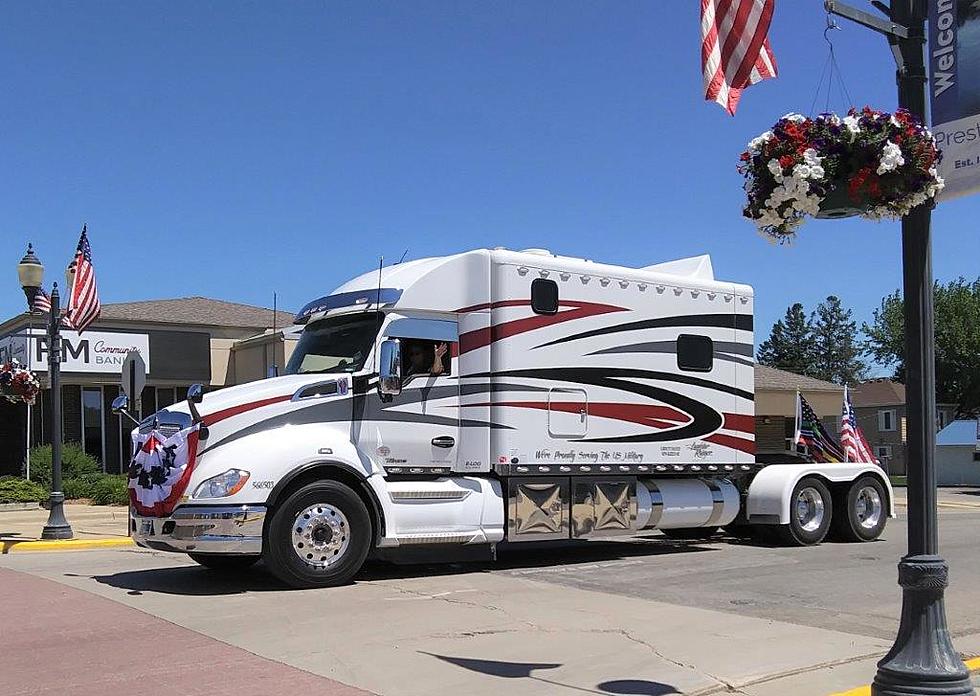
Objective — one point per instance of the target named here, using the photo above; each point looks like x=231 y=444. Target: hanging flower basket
x=869 y=163
x=17 y=383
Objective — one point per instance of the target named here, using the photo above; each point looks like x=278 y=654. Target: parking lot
x=647 y=616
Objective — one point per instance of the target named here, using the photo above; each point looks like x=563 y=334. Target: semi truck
x=487 y=397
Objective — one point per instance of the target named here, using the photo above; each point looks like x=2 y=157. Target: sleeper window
x=695 y=353
x=544 y=296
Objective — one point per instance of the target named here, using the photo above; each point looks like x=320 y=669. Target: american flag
x=83 y=301
x=810 y=432
x=735 y=51
x=856 y=447
x=42 y=303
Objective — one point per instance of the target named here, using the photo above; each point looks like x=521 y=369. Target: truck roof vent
x=537 y=252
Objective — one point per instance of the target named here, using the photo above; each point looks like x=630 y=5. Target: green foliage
x=110 y=489
x=790 y=344
x=837 y=355
x=75 y=463
x=14 y=489
x=957 y=341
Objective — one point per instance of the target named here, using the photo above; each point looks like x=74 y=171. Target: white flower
x=775 y=168
x=794 y=117
x=852 y=124
x=891 y=158
x=894 y=121
x=755 y=145
x=810 y=157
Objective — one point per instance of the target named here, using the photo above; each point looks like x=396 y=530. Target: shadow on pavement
x=524 y=670
x=194 y=580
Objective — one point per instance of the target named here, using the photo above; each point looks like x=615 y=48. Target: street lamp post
x=922 y=660
x=31 y=273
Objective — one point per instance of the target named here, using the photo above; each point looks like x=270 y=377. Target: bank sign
x=954 y=88
x=93 y=351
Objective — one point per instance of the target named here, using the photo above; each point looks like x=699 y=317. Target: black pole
x=57 y=526
x=922 y=660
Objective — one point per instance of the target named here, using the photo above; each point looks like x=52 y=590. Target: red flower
x=745 y=156
x=786 y=161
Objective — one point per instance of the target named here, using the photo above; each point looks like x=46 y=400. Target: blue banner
x=954 y=88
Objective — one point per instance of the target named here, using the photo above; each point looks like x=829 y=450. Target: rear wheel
x=224 y=563
x=690 y=533
x=810 y=514
x=861 y=515
x=319 y=536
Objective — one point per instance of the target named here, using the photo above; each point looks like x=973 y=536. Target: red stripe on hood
x=212 y=418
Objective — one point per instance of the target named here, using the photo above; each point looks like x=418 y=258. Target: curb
x=12 y=545
x=972 y=664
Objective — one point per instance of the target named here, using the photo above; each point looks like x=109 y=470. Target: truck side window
x=425 y=357
x=544 y=296
x=695 y=353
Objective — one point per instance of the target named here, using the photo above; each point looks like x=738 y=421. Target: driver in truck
x=425 y=357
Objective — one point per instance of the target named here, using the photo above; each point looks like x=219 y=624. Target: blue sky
x=230 y=149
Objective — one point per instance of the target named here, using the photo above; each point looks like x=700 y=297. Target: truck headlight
x=222 y=485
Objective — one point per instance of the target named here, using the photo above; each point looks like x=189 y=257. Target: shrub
x=75 y=463
x=14 y=489
x=80 y=487
x=110 y=489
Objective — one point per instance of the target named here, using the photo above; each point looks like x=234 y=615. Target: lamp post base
x=922 y=662
x=57 y=526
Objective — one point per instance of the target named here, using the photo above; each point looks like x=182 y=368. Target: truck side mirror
x=195 y=393
x=120 y=406
x=390 y=369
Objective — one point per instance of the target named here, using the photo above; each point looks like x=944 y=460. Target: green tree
x=837 y=354
x=957 y=318
x=790 y=343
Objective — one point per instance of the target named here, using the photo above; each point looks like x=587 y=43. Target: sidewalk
x=94 y=526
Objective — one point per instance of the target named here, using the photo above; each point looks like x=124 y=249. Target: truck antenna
x=381 y=263
x=403 y=256
x=275 y=323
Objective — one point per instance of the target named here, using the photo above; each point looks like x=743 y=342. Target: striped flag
x=42 y=303
x=810 y=432
x=83 y=302
x=735 y=51
x=852 y=439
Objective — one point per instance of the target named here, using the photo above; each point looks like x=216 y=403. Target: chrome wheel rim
x=868 y=507
x=321 y=535
x=809 y=509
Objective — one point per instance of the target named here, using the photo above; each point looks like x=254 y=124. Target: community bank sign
x=92 y=351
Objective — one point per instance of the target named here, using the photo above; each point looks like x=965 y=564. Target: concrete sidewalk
x=94 y=526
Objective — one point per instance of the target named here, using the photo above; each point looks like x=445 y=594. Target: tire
x=319 y=536
x=861 y=514
x=224 y=563
x=810 y=515
x=690 y=533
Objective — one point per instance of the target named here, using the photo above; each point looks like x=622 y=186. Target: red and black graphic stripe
x=741 y=322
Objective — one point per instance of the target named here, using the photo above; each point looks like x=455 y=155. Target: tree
x=957 y=318
x=790 y=343
x=836 y=351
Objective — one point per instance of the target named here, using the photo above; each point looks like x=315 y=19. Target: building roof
x=961 y=432
x=771 y=379
x=194 y=310
x=878 y=392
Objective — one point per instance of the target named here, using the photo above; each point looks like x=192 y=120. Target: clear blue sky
x=230 y=149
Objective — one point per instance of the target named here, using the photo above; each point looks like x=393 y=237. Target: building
x=775 y=409
x=182 y=341
x=880 y=409
x=958 y=454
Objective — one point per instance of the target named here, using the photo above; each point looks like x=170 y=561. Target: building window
x=544 y=296
x=976 y=456
x=886 y=421
x=883 y=452
x=695 y=353
x=93 y=433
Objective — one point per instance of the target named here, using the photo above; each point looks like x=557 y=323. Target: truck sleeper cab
x=483 y=397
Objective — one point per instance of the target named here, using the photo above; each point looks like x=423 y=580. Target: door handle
x=444 y=441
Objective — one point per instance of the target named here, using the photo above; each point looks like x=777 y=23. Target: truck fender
x=336 y=471
x=770 y=493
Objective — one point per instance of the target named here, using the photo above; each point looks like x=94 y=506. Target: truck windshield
x=335 y=344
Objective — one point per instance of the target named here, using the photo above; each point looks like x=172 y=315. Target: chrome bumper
x=232 y=529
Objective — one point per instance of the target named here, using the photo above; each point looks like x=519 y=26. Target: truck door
x=419 y=428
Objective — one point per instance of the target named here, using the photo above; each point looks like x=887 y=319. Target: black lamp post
x=31 y=273
x=922 y=660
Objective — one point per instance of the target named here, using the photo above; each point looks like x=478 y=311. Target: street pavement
x=647 y=617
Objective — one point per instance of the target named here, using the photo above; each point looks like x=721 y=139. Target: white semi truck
x=485 y=397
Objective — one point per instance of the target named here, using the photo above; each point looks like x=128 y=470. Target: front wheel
x=811 y=510
x=862 y=514
x=319 y=536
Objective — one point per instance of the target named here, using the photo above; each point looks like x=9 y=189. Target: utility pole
x=922 y=660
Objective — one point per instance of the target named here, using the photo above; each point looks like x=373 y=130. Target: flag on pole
x=810 y=432
x=735 y=51
x=852 y=439
x=42 y=303
x=83 y=300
